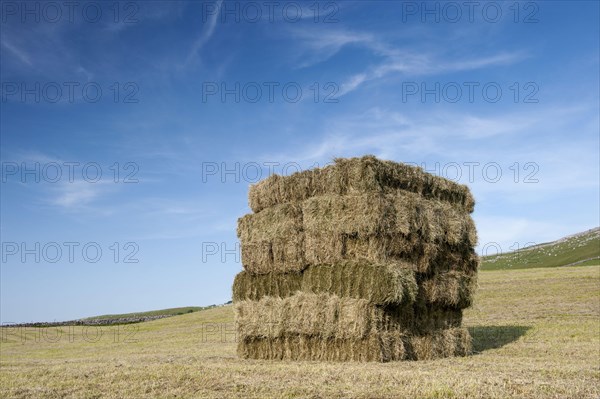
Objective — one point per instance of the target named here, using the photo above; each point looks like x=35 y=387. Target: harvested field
x=534 y=336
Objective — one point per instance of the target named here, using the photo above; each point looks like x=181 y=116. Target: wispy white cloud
x=30 y=156
x=465 y=137
x=43 y=51
x=174 y=208
x=503 y=58
x=410 y=64
x=79 y=194
x=320 y=45
x=66 y=190
x=391 y=134
x=177 y=218
x=20 y=54
x=206 y=34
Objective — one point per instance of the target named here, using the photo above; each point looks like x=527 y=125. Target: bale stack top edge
x=357 y=175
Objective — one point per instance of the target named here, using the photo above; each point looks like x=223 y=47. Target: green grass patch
x=580 y=250
x=162 y=312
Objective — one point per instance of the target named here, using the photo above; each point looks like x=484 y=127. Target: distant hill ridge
x=590 y=232
x=114 y=319
x=576 y=249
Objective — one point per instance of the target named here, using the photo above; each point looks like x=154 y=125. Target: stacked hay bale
x=363 y=260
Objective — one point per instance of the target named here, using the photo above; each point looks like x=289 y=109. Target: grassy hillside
x=535 y=333
x=162 y=312
x=580 y=249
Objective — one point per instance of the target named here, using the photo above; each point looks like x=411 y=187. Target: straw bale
x=357 y=175
x=439 y=344
x=382 y=347
x=399 y=214
x=453 y=289
x=248 y=286
x=379 y=347
x=278 y=221
x=380 y=284
x=284 y=254
x=329 y=316
x=424 y=257
x=377 y=283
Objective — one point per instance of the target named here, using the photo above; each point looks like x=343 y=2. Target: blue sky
x=187 y=99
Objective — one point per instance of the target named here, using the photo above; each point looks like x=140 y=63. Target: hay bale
x=329 y=316
x=382 y=347
x=385 y=227
x=402 y=213
x=323 y=315
x=276 y=222
x=296 y=253
x=277 y=255
x=379 y=347
x=372 y=227
x=365 y=214
x=392 y=283
x=272 y=240
x=453 y=289
x=327 y=248
x=357 y=175
x=378 y=283
x=445 y=259
x=362 y=260
x=418 y=318
x=439 y=344
x=248 y=286
x=424 y=257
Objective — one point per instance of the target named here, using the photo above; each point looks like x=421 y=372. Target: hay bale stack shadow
x=362 y=260
x=494 y=337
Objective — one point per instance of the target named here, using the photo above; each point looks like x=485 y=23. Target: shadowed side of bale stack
x=363 y=260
